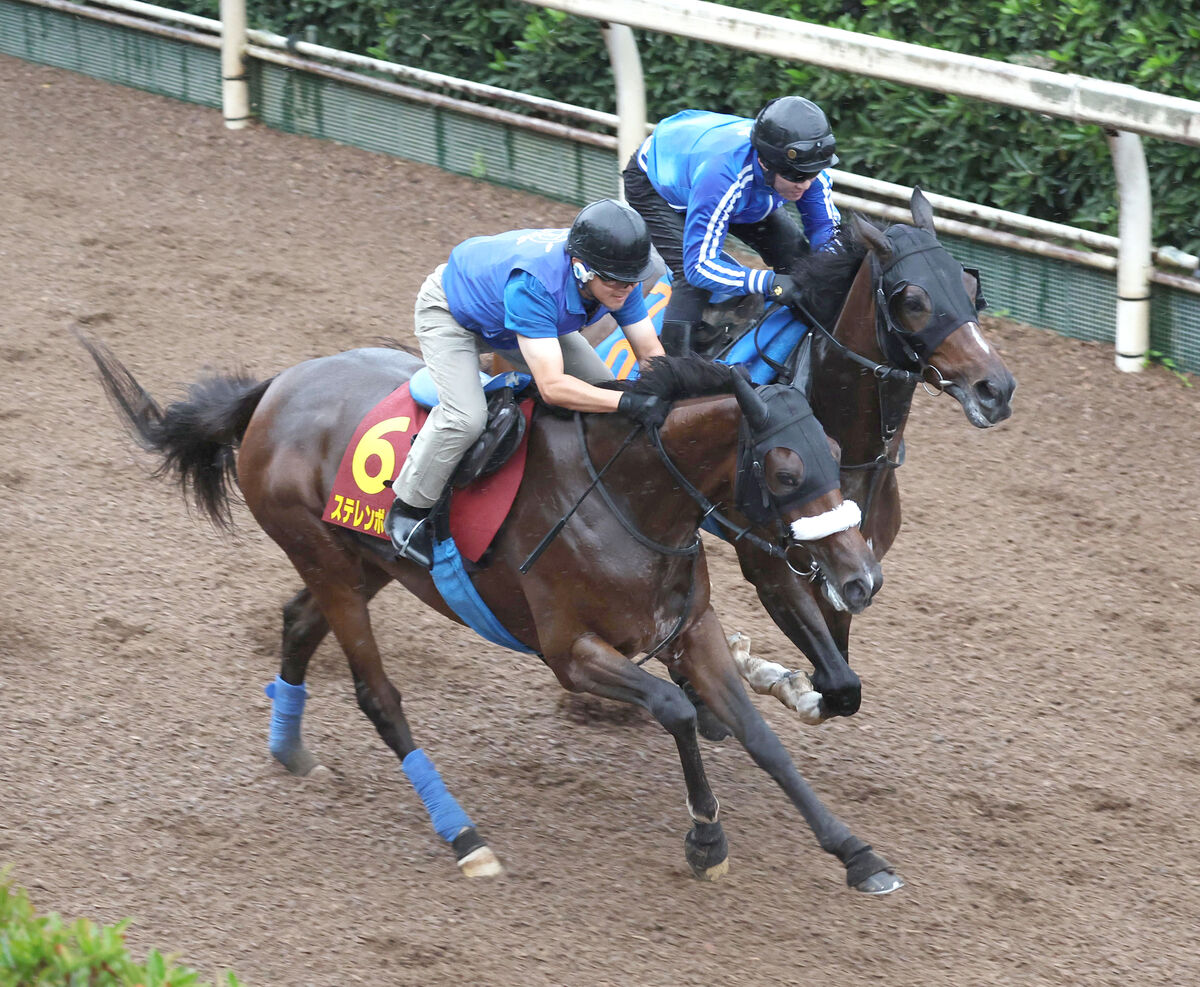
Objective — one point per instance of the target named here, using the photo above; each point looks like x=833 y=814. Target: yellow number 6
x=373 y=443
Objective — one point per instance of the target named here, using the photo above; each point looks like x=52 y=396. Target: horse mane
x=674 y=378
x=824 y=276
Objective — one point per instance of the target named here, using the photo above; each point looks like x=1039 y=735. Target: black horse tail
x=195 y=438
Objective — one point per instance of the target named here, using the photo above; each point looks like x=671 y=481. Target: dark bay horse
x=900 y=312
x=625 y=575
x=888 y=309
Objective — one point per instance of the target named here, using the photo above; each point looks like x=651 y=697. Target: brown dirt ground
x=1026 y=754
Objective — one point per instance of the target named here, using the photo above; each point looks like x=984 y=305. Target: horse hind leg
x=341 y=589
x=304 y=628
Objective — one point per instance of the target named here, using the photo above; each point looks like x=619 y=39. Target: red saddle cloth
x=359 y=499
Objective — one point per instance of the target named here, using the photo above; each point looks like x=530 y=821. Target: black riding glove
x=646 y=409
x=783 y=290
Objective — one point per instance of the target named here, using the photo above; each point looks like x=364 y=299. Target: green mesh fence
x=1078 y=301
x=1072 y=300
x=115 y=54
x=458 y=142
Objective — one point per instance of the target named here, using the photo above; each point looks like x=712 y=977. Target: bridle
x=903 y=366
x=710 y=514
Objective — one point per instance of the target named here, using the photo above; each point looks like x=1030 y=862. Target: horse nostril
x=857 y=593
x=987 y=393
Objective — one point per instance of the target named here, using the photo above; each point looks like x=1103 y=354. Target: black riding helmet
x=793 y=138
x=612 y=240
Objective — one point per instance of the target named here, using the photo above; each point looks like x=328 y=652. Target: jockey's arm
x=819 y=216
x=545 y=360
x=643 y=339
x=705 y=263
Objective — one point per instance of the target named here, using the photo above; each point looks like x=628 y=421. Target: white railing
x=1129 y=255
x=1117 y=107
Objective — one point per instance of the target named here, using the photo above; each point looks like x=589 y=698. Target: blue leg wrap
x=287 y=709
x=445 y=813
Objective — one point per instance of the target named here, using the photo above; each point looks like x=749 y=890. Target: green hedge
x=977 y=151
x=45 y=951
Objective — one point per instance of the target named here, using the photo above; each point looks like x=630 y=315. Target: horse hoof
x=712 y=873
x=318 y=774
x=480 y=862
x=707 y=851
x=808 y=706
x=301 y=763
x=884 y=882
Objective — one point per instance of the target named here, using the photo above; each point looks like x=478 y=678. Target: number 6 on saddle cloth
x=469 y=513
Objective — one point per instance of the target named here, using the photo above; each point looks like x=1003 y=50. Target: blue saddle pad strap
x=451 y=579
x=424 y=390
x=778 y=335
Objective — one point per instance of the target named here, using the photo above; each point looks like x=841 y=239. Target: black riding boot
x=677 y=337
x=411 y=532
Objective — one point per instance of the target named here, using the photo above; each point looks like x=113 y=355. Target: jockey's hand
x=783 y=290
x=646 y=409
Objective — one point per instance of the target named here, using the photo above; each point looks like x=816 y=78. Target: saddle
x=505 y=423
x=360 y=495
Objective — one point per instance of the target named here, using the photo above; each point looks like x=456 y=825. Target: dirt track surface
x=1026 y=753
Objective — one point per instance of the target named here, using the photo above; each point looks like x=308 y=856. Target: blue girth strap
x=452 y=581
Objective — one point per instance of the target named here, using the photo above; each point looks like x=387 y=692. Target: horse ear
x=869 y=234
x=753 y=407
x=922 y=211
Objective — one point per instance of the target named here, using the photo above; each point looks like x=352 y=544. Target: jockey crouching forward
x=701 y=176
x=524 y=294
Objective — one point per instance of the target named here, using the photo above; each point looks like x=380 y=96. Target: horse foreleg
x=803 y=616
x=710 y=668
x=592 y=665
x=792 y=688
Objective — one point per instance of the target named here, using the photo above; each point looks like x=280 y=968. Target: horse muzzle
x=843 y=563
x=984 y=386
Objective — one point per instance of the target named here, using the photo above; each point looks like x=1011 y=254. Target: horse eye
x=912 y=308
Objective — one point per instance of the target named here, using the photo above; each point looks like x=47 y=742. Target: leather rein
x=690 y=551
x=894 y=384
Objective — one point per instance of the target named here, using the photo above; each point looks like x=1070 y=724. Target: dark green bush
x=45 y=951
x=1014 y=160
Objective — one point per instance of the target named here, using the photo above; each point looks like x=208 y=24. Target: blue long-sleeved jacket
x=703 y=165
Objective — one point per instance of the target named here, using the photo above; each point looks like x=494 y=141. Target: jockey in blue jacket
x=524 y=294
x=701 y=176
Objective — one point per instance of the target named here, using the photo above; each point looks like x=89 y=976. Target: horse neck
x=701 y=440
x=847 y=399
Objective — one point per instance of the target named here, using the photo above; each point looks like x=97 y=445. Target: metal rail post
x=1133 y=251
x=630 y=90
x=235 y=86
